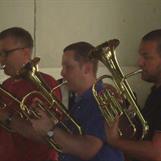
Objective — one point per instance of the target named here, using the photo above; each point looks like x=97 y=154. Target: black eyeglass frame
x=5 y=53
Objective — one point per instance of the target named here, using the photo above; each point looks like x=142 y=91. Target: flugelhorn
x=54 y=108
x=21 y=109
x=108 y=103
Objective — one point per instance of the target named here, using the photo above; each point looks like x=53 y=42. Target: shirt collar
x=88 y=93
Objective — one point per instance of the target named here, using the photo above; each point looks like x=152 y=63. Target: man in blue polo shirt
x=80 y=73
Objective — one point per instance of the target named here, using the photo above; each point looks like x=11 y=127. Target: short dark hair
x=81 y=50
x=19 y=34
x=154 y=35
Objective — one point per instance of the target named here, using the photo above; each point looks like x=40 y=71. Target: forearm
x=142 y=150
x=24 y=128
x=76 y=144
x=18 y=125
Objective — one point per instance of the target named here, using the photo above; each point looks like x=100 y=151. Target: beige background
x=56 y=23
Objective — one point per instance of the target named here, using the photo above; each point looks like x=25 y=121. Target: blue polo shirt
x=86 y=112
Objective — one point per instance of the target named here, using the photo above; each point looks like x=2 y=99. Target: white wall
x=60 y=22
x=56 y=23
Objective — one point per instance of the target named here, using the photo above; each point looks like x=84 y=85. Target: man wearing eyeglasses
x=16 y=46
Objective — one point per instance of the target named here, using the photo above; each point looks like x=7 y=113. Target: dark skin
x=150 y=63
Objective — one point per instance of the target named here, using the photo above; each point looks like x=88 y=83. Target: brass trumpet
x=54 y=108
x=48 y=101
x=108 y=103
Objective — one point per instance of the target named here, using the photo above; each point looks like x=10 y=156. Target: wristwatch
x=50 y=133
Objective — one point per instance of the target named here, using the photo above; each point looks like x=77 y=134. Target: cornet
x=48 y=101
x=54 y=108
x=108 y=103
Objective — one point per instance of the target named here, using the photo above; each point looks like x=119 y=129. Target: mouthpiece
x=133 y=73
x=59 y=85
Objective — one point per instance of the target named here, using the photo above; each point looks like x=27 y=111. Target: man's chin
x=8 y=73
x=147 y=79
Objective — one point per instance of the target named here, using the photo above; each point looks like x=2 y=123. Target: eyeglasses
x=5 y=53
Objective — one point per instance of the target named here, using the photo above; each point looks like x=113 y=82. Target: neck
x=86 y=85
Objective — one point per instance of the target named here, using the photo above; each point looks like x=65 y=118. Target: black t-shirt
x=152 y=112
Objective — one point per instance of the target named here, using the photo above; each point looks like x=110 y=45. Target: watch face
x=50 y=133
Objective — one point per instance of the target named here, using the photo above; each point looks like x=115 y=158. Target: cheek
x=73 y=78
x=9 y=61
x=72 y=75
x=14 y=64
x=154 y=68
x=150 y=65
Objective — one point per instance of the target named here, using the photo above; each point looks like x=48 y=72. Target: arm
x=142 y=150
x=18 y=125
x=72 y=144
x=24 y=128
x=77 y=144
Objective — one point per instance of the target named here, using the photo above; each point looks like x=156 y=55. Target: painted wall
x=60 y=22
x=56 y=23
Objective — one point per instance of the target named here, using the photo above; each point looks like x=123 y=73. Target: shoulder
x=7 y=81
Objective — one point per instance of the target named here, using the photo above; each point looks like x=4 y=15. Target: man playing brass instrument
x=80 y=73
x=16 y=46
x=148 y=149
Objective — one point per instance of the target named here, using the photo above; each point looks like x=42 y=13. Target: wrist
x=50 y=133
